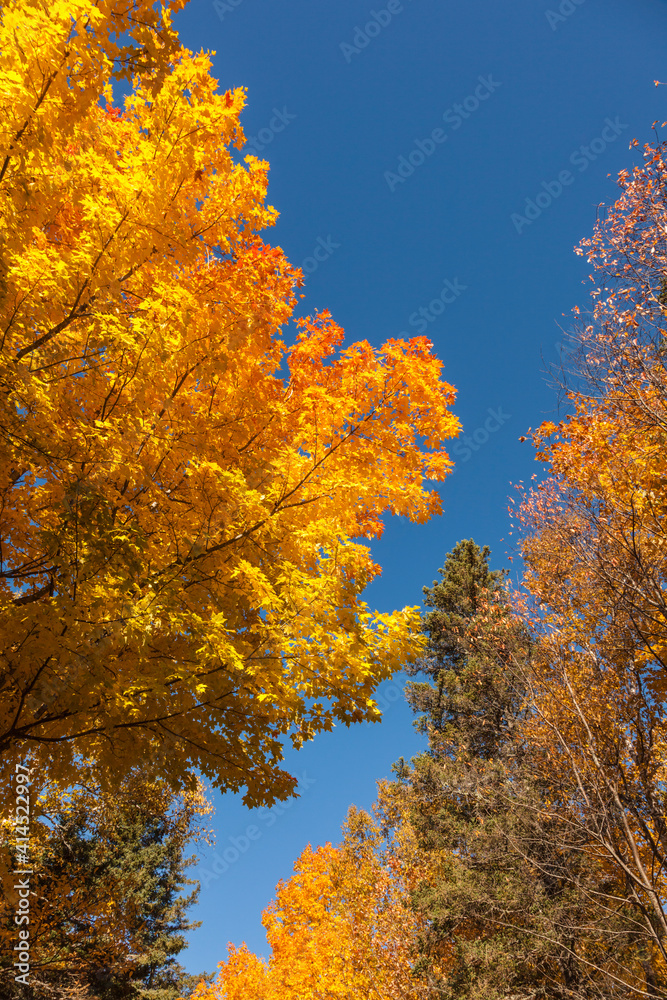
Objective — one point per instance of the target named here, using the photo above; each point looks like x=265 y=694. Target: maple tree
x=342 y=927
x=183 y=497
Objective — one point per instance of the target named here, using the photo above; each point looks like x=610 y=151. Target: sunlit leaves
x=596 y=548
x=340 y=928
x=183 y=497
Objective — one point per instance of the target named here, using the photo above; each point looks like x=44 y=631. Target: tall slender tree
x=595 y=549
x=465 y=592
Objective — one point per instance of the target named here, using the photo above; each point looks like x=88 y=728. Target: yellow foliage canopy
x=341 y=928
x=181 y=494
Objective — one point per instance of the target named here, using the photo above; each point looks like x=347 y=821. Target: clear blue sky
x=337 y=111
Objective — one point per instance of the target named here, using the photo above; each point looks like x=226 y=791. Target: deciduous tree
x=341 y=928
x=595 y=545
x=182 y=495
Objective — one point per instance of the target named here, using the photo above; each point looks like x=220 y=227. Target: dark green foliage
x=110 y=915
x=146 y=868
x=467 y=696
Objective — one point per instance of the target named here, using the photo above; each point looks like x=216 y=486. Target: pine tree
x=111 y=913
x=451 y=701
x=524 y=910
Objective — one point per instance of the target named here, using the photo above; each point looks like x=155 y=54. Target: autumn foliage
x=342 y=927
x=537 y=812
x=596 y=557
x=188 y=487
x=184 y=490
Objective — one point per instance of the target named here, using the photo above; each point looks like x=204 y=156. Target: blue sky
x=412 y=216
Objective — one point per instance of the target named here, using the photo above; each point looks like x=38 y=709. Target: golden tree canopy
x=182 y=495
x=341 y=928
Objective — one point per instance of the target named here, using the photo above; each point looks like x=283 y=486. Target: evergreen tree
x=111 y=913
x=466 y=696
x=524 y=910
